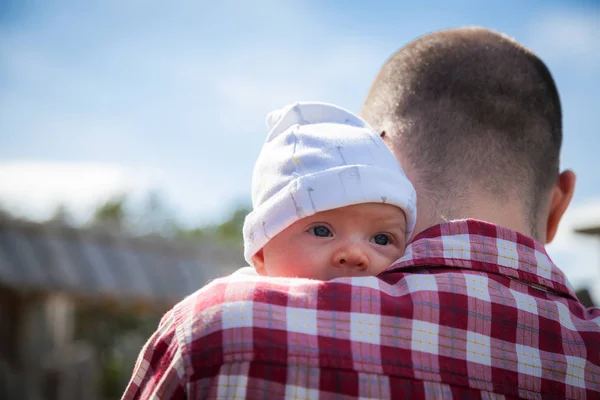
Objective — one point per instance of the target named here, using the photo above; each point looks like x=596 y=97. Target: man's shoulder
x=246 y=300
x=242 y=290
x=455 y=317
x=243 y=318
x=235 y=296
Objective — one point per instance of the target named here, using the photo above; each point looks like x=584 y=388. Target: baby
x=329 y=199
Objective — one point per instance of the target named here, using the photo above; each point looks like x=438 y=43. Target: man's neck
x=506 y=215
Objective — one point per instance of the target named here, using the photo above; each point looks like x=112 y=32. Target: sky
x=103 y=97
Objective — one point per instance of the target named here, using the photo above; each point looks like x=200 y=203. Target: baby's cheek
x=307 y=264
x=400 y=252
x=388 y=257
x=290 y=263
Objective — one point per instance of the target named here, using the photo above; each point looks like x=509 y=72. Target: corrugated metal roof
x=100 y=262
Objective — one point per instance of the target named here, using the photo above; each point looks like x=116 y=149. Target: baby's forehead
x=373 y=212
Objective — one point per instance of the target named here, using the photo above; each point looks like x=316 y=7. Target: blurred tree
x=231 y=228
x=197 y=233
x=229 y=231
x=112 y=212
x=105 y=326
x=62 y=215
x=156 y=217
x=4 y=213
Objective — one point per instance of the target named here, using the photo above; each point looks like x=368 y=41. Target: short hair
x=471 y=108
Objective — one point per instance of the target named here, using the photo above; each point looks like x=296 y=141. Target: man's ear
x=561 y=197
x=258 y=260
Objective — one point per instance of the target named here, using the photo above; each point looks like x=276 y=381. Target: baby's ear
x=258 y=260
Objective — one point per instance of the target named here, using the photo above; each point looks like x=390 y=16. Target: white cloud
x=174 y=96
x=35 y=189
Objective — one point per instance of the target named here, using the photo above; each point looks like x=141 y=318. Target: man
x=473 y=310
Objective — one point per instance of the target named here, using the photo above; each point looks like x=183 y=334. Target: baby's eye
x=320 y=231
x=381 y=239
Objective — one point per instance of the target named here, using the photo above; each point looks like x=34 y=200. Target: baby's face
x=358 y=240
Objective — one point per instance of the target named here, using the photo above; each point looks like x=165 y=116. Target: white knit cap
x=318 y=157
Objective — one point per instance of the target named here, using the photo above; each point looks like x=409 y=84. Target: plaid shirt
x=471 y=311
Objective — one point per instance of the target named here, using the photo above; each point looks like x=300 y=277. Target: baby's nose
x=351 y=256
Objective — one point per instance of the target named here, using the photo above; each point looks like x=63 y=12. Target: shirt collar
x=481 y=246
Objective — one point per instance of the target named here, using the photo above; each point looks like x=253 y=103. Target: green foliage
x=228 y=231
x=231 y=229
x=105 y=326
x=113 y=378
x=113 y=212
x=62 y=215
x=194 y=233
x=156 y=217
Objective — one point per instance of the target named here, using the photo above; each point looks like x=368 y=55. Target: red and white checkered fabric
x=472 y=311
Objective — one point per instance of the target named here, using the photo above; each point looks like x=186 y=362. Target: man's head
x=475 y=120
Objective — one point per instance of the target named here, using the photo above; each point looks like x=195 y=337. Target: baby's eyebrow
x=398 y=224
x=388 y=218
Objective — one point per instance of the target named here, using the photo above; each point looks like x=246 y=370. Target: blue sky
x=98 y=97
